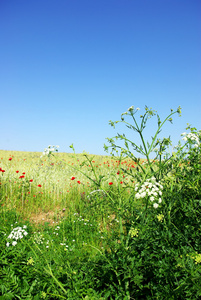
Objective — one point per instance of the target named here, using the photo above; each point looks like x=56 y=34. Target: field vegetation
x=80 y=226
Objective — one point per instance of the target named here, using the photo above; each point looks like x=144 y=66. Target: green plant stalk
x=57 y=282
x=159 y=128
x=50 y=271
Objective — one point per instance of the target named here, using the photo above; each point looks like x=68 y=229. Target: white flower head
x=137 y=196
x=155 y=205
x=131 y=108
x=16 y=234
x=143 y=194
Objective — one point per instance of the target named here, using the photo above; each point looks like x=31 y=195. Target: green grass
x=90 y=237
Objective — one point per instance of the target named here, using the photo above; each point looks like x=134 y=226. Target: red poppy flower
x=73 y=178
x=23 y=173
x=78 y=181
x=22 y=176
x=17 y=171
x=121 y=182
x=10 y=158
x=34 y=195
x=110 y=183
x=31 y=180
x=118 y=173
x=39 y=185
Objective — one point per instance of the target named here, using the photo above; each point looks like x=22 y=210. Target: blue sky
x=68 y=67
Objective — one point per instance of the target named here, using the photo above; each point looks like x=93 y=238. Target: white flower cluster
x=38 y=238
x=50 y=149
x=132 y=108
x=150 y=188
x=16 y=234
x=191 y=136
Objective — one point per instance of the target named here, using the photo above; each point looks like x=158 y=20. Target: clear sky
x=67 y=67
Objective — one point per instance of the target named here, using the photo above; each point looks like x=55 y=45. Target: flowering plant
x=151 y=190
x=156 y=145
x=16 y=234
x=50 y=150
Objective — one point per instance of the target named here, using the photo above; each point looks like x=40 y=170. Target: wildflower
x=160 y=217
x=30 y=261
x=38 y=238
x=110 y=183
x=39 y=185
x=131 y=108
x=78 y=182
x=31 y=180
x=22 y=176
x=48 y=151
x=137 y=196
x=7 y=244
x=150 y=188
x=155 y=205
x=17 y=171
x=23 y=173
x=191 y=137
x=133 y=232
x=72 y=178
x=197 y=259
x=10 y=158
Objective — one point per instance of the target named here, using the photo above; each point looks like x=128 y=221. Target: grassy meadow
x=77 y=226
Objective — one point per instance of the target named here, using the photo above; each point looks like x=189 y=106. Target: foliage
x=83 y=227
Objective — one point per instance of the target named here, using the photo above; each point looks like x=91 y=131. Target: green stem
x=158 y=130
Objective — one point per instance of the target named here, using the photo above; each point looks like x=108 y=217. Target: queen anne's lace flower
x=50 y=149
x=150 y=188
x=192 y=137
x=16 y=234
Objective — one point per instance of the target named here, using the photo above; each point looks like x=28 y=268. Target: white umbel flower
x=151 y=189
